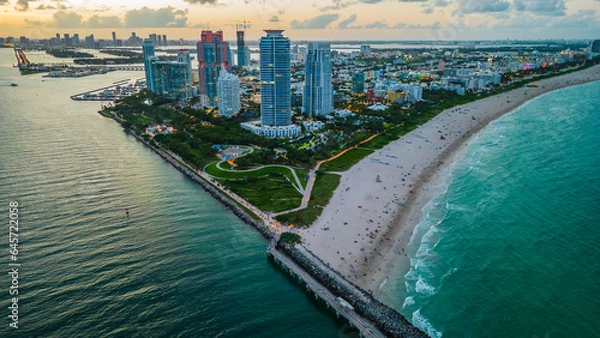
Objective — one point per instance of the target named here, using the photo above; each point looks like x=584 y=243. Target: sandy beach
x=364 y=230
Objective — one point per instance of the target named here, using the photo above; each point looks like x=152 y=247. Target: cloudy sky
x=307 y=20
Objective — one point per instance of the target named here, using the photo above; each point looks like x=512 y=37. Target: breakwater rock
x=388 y=320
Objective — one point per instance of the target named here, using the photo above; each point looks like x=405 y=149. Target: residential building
x=275 y=81
x=358 y=83
x=170 y=79
x=228 y=92
x=149 y=69
x=318 y=88
x=213 y=53
x=174 y=78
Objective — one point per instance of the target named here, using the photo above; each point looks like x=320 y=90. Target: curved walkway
x=297 y=186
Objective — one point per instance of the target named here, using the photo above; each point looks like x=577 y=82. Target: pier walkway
x=365 y=327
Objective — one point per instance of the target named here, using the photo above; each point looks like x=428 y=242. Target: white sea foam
x=423 y=288
x=408 y=301
x=423 y=323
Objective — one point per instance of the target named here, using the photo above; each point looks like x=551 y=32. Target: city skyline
x=325 y=20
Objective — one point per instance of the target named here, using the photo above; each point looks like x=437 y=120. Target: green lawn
x=346 y=161
x=268 y=193
x=322 y=192
x=302 y=173
x=214 y=171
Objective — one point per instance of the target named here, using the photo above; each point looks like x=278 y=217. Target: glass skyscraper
x=170 y=79
x=149 y=61
x=275 y=82
x=318 y=88
x=213 y=53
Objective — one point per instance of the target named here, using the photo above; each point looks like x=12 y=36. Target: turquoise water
x=510 y=248
x=180 y=265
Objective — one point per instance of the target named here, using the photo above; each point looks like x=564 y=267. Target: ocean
x=510 y=245
x=180 y=265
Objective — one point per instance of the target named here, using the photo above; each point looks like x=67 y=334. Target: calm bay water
x=510 y=248
x=180 y=265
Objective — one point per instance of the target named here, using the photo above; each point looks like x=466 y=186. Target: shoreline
x=368 y=242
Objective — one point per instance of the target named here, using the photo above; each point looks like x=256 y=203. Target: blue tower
x=275 y=82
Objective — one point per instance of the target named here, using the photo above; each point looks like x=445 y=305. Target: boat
x=14 y=84
x=377 y=179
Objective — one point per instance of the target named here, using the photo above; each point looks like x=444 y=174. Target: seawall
x=387 y=320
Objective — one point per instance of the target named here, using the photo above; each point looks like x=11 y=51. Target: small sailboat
x=378 y=179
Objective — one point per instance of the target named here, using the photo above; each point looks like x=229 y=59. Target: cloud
x=481 y=6
x=584 y=22
x=274 y=18
x=59 y=6
x=201 y=2
x=399 y=25
x=541 y=7
x=3 y=2
x=97 y=21
x=377 y=24
x=338 y=4
x=435 y=25
x=23 y=5
x=318 y=22
x=162 y=17
x=43 y=7
x=345 y=24
x=62 y=19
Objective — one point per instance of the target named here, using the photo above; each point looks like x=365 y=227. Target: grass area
x=213 y=170
x=322 y=192
x=302 y=173
x=268 y=193
x=291 y=238
x=347 y=160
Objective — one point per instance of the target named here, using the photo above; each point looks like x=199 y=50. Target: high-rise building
x=153 y=39
x=241 y=46
x=358 y=83
x=174 y=78
x=159 y=39
x=365 y=49
x=318 y=88
x=228 y=91
x=114 y=38
x=89 y=41
x=170 y=79
x=149 y=62
x=75 y=40
x=275 y=81
x=213 y=53
x=67 y=40
x=165 y=42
